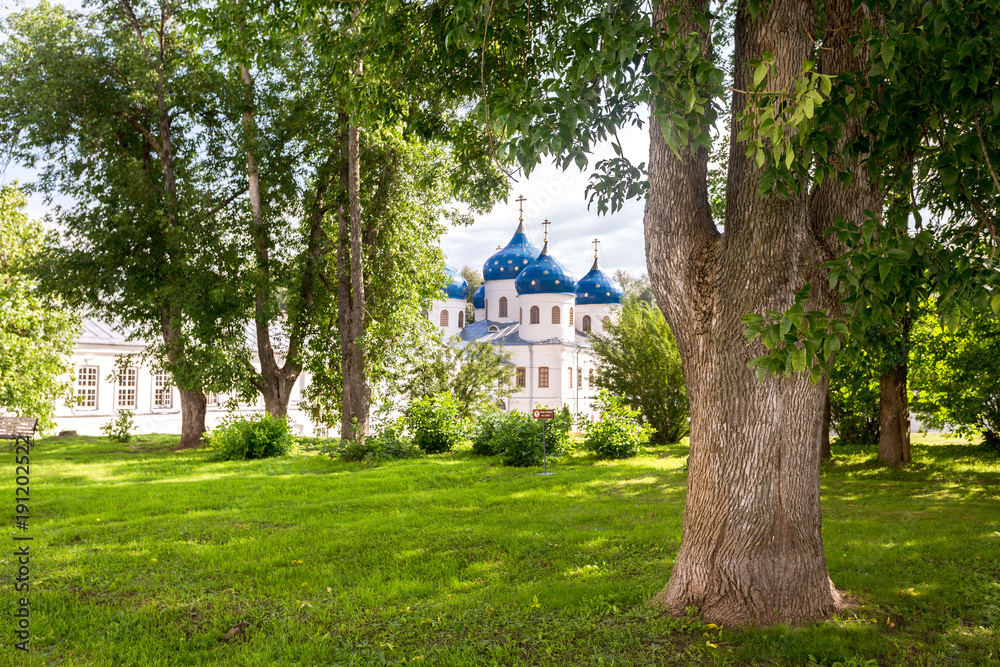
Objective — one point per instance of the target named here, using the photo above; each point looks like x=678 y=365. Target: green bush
x=386 y=443
x=435 y=423
x=617 y=433
x=120 y=428
x=518 y=437
x=484 y=433
x=854 y=396
x=259 y=437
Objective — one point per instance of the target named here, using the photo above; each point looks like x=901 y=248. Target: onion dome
x=456 y=287
x=507 y=263
x=597 y=287
x=545 y=276
x=479 y=297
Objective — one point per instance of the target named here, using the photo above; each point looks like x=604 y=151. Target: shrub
x=519 y=437
x=386 y=443
x=120 y=428
x=617 y=433
x=484 y=440
x=854 y=397
x=259 y=437
x=435 y=423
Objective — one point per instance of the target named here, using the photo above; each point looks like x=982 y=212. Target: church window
x=519 y=377
x=543 y=376
x=426 y=315
x=590 y=378
x=486 y=309
x=535 y=317
x=579 y=377
x=127 y=381
x=520 y=315
x=556 y=316
x=444 y=318
x=606 y=321
x=162 y=396
x=586 y=323
x=86 y=386
x=570 y=377
x=571 y=317
x=461 y=319
x=503 y=307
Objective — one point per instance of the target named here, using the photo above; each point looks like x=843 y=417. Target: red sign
x=543 y=414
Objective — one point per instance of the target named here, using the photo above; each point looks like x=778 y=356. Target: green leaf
x=759 y=74
x=995 y=304
x=798 y=359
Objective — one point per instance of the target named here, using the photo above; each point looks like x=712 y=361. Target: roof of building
x=479 y=297
x=597 y=287
x=509 y=261
x=96 y=332
x=546 y=275
x=508 y=334
x=456 y=287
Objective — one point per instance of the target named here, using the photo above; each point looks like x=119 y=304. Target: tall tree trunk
x=751 y=549
x=273 y=381
x=193 y=401
x=894 y=417
x=193 y=407
x=825 y=454
x=356 y=378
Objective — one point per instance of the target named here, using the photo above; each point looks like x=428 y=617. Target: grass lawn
x=147 y=556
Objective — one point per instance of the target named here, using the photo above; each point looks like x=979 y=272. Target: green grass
x=148 y=556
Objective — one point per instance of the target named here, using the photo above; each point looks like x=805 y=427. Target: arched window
x=461 y=319
x=570 y=377
x=590 y=378
x=579 y=377
x=586 y=322
x=519 y=377
x=606 y=321
x=444 y=318
x=426 y=314
x=486 y=309
x=556 y=316
x=571 y=317
x=520 y=315
x=543 y=376
x=534 y=315
x=503 y=307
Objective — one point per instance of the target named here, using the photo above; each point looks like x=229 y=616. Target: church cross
x=595 y=248
x=546 y=224
x=520 y=202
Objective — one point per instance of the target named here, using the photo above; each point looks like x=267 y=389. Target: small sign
x=543 y=414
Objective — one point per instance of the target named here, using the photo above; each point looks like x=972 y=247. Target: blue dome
x=508 y=263
x=545 y=276
x=456 y=288
x=479 y=297
x=597 y=287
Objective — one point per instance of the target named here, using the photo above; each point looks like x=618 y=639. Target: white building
x=533 y=306
x=102 y=391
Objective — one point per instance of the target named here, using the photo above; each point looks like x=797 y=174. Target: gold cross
x=546 y=224
x=520 y=200
x=595 y=248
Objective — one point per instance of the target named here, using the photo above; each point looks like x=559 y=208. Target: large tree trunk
x=355 y=423
x=751 y=549
x=193 y=407
x=894 y=417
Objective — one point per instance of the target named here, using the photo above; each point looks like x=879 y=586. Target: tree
x=956 y=377
x=118 y=107
x=474 y=277
x=821 y=138
x=37 y=330
x=637 y=360
x=477 y=375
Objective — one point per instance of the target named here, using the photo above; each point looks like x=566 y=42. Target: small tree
x=617 y=433
x=37 y=330
x=476 y=375
x=638 y=360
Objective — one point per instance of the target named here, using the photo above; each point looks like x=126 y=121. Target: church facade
x=542 y=316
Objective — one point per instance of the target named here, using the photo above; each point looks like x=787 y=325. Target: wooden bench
x=18 y=429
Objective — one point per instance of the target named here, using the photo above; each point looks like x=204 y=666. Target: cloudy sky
x=559 y=197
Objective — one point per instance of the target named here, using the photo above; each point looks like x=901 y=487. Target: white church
x=529 y=303
x=542 y=316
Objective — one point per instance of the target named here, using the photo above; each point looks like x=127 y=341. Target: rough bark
x=751 y=549
x=356 y=379
x=193 y=407
x=894 y=417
